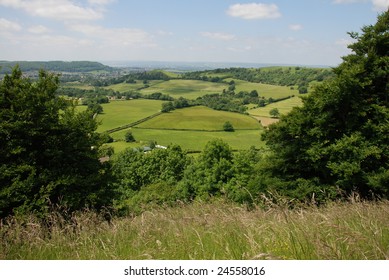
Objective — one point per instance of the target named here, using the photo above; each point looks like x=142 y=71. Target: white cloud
x=380 y=5
x=9 y=26
x=164 y=33
x=54 y=9
x=347 y=1
x=115 y=36
x=100 y=2
x=295 y=27
x=218 y=36
x=254 y=11
x=38 y=29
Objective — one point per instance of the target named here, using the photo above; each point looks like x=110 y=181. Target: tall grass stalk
x=217 y=230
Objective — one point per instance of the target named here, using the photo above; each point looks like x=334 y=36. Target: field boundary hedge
x=133 y=123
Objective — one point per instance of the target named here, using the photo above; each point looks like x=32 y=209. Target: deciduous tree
x=339 y=138
x=49 y=152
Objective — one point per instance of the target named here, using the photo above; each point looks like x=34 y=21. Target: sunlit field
x=190 y=89
x=118 y=113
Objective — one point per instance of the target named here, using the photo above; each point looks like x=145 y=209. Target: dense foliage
x=165 y=176
x=132 y=78
x=339 y=139
x=49 y=152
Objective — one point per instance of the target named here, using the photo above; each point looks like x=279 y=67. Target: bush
x=129 y=137
x=228 y=127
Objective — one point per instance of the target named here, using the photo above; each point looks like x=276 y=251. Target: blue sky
x=306 y=32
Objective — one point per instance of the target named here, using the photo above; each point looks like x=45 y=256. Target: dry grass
x=218 y=230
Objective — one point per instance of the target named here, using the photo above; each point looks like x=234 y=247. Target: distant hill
x=56 y=66
x=277 y=75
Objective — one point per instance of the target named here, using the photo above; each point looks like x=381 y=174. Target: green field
x=200 y=118
x=284 y=107
x=123 y=87
x=192 y=128
x=118 y=113
x=78 y=85
x=263 y=90
x=190 y=89
x=189 y=140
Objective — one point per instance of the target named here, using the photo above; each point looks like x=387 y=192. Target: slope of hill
x=57 y=66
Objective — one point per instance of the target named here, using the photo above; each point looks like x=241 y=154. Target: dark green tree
x=129 y=137
x=167 y=107
x=339 y=138
x=152 y=176
x=274 y=113
x=95 y=108
x=49 y=152
x=207 y=176
x=227 y=126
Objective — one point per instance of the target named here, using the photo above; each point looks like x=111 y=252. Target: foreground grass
x=207 y=231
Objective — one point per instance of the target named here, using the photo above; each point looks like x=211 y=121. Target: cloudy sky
x=310 y=32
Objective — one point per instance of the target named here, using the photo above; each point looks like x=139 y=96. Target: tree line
x=301 y=77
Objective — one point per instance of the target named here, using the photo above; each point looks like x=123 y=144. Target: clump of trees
x=165 y=176
x=129 y=137
x=49 y=151
x=338 y=141
x=131 y=78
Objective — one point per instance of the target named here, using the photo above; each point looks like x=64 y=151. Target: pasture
x=78 y=85
x=123 y=87
x=200 y=118
x=118 y=113
x=189 y=140
x=264 y=90
x=192 y=128
x=190 y=89
x=284 y=107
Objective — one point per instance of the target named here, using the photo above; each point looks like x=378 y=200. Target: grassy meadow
x=283 y=106
x=200 y=118
x=123 y=87
x=192 y=128
x=189 y=140
x=264 y=90
x=190 y=89
x=213 y=230
x=118 y=113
